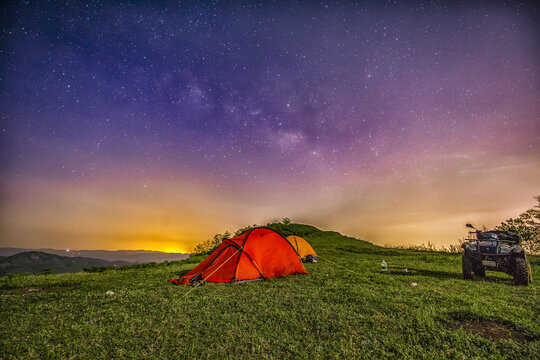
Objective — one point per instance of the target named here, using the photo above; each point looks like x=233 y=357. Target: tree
x=526 y=225
x=208 y=246
x=286 y=221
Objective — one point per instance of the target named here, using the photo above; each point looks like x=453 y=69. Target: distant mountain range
x=130 y=256
x=35 y=261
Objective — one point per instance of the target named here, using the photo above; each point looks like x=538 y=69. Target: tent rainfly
x=257 y=254
x=302 y=248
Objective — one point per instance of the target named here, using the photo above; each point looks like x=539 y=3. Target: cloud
x=411 y=204
x=431 y=202
x=114 y=215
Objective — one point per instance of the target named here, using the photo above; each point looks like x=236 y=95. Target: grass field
x=332 y=313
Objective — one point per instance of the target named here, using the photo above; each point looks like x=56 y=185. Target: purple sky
x=156 y=125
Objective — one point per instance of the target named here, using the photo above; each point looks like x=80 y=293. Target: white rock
x=414 y=284
x=109 y=292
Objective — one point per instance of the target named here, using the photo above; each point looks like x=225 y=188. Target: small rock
x=109 y=292
x=406 y=270
x=414 y=284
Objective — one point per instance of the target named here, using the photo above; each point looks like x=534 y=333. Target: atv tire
x=467 y=267
x=479 y=271
x=521 y=272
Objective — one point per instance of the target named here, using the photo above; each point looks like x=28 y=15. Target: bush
x=47 y=271
x=96 y=269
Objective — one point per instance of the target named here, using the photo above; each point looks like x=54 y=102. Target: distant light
x=67 y=250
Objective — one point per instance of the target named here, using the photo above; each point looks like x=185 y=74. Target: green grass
x=330 y=314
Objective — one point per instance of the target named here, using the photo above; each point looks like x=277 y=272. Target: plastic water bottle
x=384 y=266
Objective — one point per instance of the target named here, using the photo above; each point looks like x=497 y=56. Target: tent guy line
x=341 y=266
x=204 y=279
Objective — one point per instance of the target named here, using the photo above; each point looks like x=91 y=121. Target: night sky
x=131 y=125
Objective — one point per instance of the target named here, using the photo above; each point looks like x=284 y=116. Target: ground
x=345 y=308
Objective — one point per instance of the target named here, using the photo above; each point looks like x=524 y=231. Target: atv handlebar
x=493 y=240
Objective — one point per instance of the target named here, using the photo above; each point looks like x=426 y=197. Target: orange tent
x=302 y=248
x=257 y=254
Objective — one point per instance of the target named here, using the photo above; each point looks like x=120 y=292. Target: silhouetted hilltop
x=35 y=261
x=131 y=256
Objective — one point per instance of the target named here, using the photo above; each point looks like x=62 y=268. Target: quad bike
x=495 y=250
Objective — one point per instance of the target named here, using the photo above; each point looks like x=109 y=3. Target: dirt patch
x=490 y=330
x=33 y=290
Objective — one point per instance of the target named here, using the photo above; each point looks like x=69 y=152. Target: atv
x=495 y=250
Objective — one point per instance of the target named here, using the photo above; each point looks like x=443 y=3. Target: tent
x=257 y=254
x=302 y=248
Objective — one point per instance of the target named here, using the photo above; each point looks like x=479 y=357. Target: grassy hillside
x=34 y=261
x=332 y=313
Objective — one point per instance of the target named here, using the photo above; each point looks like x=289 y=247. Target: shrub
x=46 y=271
x=96 y=269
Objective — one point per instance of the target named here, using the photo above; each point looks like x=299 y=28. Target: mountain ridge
x=130 y=256
x=35 y=261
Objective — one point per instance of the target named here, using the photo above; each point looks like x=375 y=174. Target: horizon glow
x=135 y=126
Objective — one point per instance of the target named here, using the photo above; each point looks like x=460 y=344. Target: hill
x=130 y=256
x=346 y=308
x=34 y=261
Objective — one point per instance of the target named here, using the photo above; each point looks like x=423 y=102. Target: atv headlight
x=505 y=250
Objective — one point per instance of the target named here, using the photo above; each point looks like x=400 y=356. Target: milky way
x=135 y=124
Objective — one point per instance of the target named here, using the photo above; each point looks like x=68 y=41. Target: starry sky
x=154 y=125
